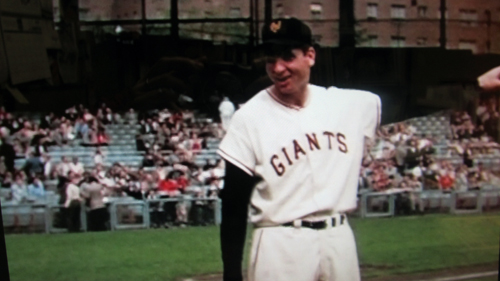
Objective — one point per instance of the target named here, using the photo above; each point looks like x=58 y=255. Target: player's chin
x=283 y=89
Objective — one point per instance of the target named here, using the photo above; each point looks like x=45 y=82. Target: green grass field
x=386 y=246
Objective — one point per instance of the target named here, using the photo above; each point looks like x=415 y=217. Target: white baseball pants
x=303 y=254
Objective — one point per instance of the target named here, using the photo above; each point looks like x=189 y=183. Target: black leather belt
x=318 y=225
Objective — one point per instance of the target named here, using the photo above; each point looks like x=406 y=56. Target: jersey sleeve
x=372 y=115
x=236 y=146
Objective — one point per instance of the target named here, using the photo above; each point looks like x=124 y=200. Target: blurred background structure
x=418 y=55
x=110 y=109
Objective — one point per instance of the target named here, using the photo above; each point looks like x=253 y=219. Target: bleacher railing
x=123 y=213
x=137 y=214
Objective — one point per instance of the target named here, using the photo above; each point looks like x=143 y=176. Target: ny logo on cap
x=275 y=26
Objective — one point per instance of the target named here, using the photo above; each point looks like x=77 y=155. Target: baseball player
x=294 y=152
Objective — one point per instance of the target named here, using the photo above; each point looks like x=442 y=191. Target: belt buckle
x=318 y=224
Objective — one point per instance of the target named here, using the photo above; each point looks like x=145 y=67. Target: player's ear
x=311 y=56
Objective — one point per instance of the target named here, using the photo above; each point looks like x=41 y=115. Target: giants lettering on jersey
x=289 y=156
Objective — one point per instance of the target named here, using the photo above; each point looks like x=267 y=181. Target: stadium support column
x=174 y=17
x=257 y=30
x=268 y=14
x=345 y=58
x=442 y=25
x=251 y=27
x=143 y=17
x=346 y=24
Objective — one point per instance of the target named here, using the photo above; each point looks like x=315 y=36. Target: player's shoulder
x=353 y=96
x=254 y=105
x=350 y=93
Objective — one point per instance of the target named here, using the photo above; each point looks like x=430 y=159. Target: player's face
x=290 y=71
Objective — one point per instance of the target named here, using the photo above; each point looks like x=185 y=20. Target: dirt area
x=406 y=277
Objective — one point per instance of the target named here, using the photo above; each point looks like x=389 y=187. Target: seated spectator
x=169 y=186
x=87 y=116
x=148 y=160
x=71 y=113
x=484 y=175
x=76 y=167
x=48 y=167
x=461 y=178
x=446 y=182
x=19 y=189
x=130 y=117
x=63 y=167
x=7 y=180
x=98 y=157
x=33 y=166
x=3 y=167
x=108 y=116
x=413 y=155
x=140 y=143
x=102 y=138
x=36 y=189
x=456 y=123
x=146 y=127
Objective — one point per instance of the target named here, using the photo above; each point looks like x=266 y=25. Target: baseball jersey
x=308 y=158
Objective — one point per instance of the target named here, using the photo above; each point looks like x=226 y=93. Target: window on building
x=398 y=11
x=468 y=45
x=209 y=14
x=372 y=11
x=421 y=41
x=234 y=12
x=439 y=14
x=317 y=38
x=468 y=17
x=372 y=41
x=279 y=10
x=316 y=9
x=422 y=11
x=397 y=41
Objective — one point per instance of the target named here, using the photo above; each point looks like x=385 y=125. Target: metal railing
x=127 y=213
x=123 y=213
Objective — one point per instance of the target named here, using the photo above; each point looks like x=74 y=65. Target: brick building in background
x=470 y=24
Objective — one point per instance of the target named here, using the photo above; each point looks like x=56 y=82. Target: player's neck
x=298 y=99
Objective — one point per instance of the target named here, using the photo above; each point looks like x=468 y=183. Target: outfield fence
x=127 y=213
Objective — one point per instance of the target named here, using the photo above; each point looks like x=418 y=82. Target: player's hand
x=490 y=80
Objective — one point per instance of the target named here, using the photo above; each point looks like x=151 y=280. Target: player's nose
x=278 y=66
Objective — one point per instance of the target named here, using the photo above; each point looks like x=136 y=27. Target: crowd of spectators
x=404 y=160
x=170 y=142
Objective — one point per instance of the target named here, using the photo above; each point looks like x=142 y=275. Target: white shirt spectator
x=226 y=111
x=63 y=169
x=19 y=192
x=423 y=143
x=72 y=193
x=76 y=168
x=417 y=172
x=98 y=159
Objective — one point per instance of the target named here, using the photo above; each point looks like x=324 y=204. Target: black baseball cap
x=290 y=32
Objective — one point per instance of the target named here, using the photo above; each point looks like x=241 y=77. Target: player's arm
x=490 y=80
x=235 y=197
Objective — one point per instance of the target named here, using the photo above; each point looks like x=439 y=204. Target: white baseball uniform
x=309 y=160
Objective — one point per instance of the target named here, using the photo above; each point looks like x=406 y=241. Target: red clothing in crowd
x=446 y=182
x=168 y=185
x=182 y=182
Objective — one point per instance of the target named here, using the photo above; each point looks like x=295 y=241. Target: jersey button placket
x=304 y=122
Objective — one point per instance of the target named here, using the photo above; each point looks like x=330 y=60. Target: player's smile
x=290 y=71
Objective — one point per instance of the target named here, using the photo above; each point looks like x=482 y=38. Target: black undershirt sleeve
x=235 y=196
